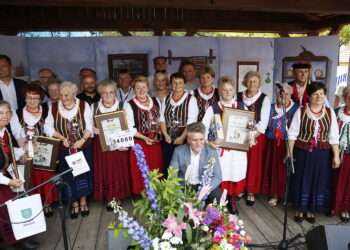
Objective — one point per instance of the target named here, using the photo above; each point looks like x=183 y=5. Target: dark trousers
x=214 y=194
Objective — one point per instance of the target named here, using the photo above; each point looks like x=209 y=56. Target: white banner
x=22 y=213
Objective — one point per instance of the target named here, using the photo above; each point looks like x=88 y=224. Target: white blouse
x=264 y=112
x=333 y=136
x=69 y=115
x=192 y=107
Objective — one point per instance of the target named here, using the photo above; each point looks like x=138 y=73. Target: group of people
x=174 y=126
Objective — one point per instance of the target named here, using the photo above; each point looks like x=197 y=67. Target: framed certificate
x=235 y=123
x=110 y=126
x=47 y=153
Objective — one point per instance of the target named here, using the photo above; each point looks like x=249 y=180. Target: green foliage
x=344 y=35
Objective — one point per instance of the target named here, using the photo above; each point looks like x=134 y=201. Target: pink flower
x=173 y=227
x=194 y=214
x=217 y=239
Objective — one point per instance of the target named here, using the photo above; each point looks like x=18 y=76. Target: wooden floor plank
x=106 y=218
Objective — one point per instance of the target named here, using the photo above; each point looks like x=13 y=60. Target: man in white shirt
x=196 y=156
x=11 y=89
x=189 y=71
x=160 y=65
x=124 y=92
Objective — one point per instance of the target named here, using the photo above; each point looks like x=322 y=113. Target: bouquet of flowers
x=176 y=217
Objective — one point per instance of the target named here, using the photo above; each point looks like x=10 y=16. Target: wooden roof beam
x=191 y=32
x=124 y=32
x=291 y=6
x=284 y=34
x=335 y=30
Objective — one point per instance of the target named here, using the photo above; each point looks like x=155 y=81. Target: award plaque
x=46 y=153
x=236 y=125
x=110 y=125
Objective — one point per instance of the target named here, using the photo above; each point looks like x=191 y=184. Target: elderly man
x=45 y=75
x=160 y=65
x=124 y=91
x=189 y=71
x=86 y=72
x=89 y=94
x=301 y=72
x=11 y=89
x=196 y=155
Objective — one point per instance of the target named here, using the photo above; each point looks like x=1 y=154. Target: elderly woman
x=161 y=86
x=111 y=169
x=233 y=163
x=274 y=176
x=206 y=94
x=8 y=155
x=260 y=103
x=146 y=112
x=178 y=110
x=72 y=120
x=32 y=117
x=341 y=201
x=313 y=136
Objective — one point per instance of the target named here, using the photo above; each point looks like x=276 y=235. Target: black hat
x=301 y=65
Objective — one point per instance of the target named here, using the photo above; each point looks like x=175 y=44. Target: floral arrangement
x=175 y=216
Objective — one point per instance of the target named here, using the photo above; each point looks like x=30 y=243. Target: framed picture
x=47 y=154
x=136 y=64
x=110 y=126
x=242 y=68
x=235 y=122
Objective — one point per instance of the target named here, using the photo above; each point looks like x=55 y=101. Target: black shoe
x=27 y=245
x=329 y=213
x=310 y=219
x=48 y=211
x=85 y=212
x=298 y=218
x=249 y=202
x=74 y=213
x=343 y=218
x=109 y=208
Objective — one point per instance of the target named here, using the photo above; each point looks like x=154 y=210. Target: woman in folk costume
x=32 y=119
x=260 y=103
x=341 y=203
x=233 y=163
x=177 y=111
x=9 y=155
x=72 y=120
x=314 y=136
x=161 y=86
x=274 y=176
x=145 y=113
x=112 y=178
x=206 y=94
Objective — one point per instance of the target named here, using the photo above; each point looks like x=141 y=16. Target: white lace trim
x=141 y=106
x=29 y=119
x=104 y=109
x=69 y=114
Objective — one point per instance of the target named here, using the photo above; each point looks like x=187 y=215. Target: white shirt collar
x=2 y=131
x=69 y=114
x=104 y=109
x=179 y=102
x=140 y=105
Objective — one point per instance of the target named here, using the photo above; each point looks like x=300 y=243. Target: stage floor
x=263 y=223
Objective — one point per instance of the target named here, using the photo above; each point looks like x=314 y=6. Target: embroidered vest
x=40 y=124
x=141 y=116
x=307 y=130
x=279 y=123
x=61 y=123
x=344 y=134
x=203 y=104
x=179 y=113
x=256 y=106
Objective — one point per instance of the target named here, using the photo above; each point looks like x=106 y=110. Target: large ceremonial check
x=235 y=124
x=113 y=128
x=46 y=155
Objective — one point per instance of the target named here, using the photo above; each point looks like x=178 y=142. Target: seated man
x=197 y=154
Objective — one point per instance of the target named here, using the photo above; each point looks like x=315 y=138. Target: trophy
x=30 y=133
x=251 y=133
x=73 y=127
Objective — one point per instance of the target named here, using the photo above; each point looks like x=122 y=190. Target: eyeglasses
x=8 y=113
x=54 y=91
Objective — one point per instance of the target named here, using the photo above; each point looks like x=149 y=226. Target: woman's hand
x=179 y=141
x=167 y=138
x=21 y=142
x=66 y=142
x=79 y=143
x=23 y=158
x=123 y=149
x=15 y=183
x=213 y=144
x=148 y=140
x=336 y=161
x=96 y=131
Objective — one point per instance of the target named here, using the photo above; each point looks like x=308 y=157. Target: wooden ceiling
x=164 y=16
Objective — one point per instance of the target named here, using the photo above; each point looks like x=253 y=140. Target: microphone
x=278 y=85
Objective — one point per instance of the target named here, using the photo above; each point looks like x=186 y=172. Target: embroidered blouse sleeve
x=49 y=123
x=130 y=118
x=192 y=111
x=162 y=110
x=334 y=130
x=294 y=129
x=89 y=122
x=264 y=115
x=16 y=127
x=4 y=180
